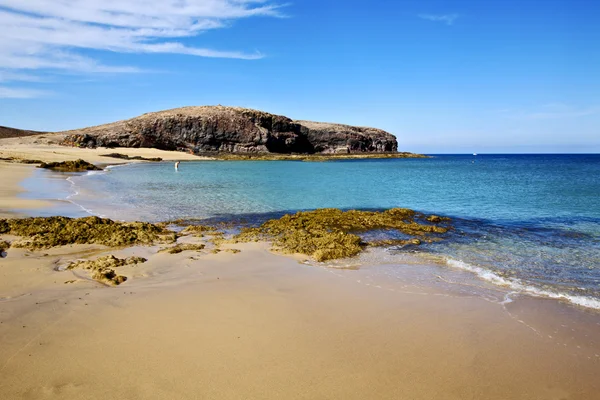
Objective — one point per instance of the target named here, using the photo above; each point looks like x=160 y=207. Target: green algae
x=330 y=233
x=46 y=232
x=103 y=268
x=70 y=166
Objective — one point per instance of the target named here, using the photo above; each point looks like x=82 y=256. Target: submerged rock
x=46 y=232
x=330 y=233
x=198 y=229
x=437 y=219
x=70 y=166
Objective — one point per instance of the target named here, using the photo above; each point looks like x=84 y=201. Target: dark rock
x=70 y=166
x=126 y=157
x=234 y=130
x=46 y=232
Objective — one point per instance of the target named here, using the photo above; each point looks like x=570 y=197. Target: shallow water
x=530 y=223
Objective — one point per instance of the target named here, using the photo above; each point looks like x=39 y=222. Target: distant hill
x=6 y=132
x=232 y=129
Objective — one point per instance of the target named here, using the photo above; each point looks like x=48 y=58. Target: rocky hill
x=232 y=129
x=6 y=132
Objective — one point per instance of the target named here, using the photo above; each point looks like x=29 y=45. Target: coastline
x=10 y=204
x=206 y=325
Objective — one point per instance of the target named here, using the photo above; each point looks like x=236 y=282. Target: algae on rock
x=45 y=232
x=198 y=229
x=104 y=267
x=330 y=233
x=4 y=245
x=182 y=247
x=70 y=166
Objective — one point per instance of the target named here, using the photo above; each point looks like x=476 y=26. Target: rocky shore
x=323 y=234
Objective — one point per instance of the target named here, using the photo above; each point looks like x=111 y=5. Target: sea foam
x=518 y=286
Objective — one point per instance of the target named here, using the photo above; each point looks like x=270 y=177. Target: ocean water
x=530 y=223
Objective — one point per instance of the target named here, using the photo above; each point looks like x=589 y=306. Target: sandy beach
x=45 y=148
x=257 y=325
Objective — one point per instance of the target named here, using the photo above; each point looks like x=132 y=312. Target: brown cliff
x=233 y=130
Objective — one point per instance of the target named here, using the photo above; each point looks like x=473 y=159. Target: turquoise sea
x=527 y=222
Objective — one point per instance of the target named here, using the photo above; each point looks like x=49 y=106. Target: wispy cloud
x=10 y=76
x=20 y=93
x=445 y=18
x=560 y=111
x=51 y=34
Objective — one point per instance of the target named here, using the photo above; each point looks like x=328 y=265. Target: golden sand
x=259 y=325
x=10 y=176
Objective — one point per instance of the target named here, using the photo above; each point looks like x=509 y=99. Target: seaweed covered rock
x=70 y=166
x=4 y=245
x=217 y=250
x=437 y=219
x=103 y=268
x=395 y=242
x=45 y=232
x=330 y=233
x=199 y=230
x=183 y=247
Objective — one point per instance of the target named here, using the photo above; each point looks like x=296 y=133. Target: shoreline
x=212 y=322
x=75 y=210
x=10 y=204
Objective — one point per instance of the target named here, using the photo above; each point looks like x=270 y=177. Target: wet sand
x=258 y=325
x=11 y=175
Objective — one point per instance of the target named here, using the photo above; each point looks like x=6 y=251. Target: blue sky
x=443 y=76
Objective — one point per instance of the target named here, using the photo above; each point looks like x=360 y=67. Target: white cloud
x=9 y=76
x=19 y=93
x=446 y=18
x=50 y=34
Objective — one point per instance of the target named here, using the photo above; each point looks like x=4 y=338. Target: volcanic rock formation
x=232 y=129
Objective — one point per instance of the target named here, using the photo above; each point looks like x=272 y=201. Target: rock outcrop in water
x=330 y=233
x=70 y=166
x=234 y=130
